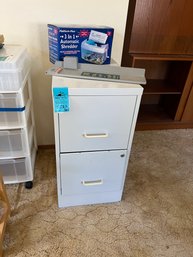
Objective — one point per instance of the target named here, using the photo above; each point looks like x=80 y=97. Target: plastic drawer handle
x=100 y=135
x=92 y=182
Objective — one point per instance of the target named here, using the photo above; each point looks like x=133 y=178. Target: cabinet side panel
x=162 y=27
x=188 y=112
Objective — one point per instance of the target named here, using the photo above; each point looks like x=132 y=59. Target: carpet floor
x=154 y=218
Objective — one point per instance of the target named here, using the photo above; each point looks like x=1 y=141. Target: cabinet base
x=94 y=198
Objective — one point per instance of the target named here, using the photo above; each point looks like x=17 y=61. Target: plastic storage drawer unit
x=17 y=127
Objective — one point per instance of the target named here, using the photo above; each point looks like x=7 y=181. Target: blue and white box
x=91 y=44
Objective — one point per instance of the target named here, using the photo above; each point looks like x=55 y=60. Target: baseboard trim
x=46 y=146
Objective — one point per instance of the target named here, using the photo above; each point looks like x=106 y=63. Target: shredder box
x=90 y=44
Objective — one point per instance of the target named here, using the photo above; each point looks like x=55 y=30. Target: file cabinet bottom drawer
x=92 y=177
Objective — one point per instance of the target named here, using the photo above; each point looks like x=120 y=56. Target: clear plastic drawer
x=15 y=68
x=16 y=142
x=14 y=100
x=13 y=143
x=16 y=170
x=14 y=119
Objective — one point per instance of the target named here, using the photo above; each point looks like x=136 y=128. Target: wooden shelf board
x=156 y=86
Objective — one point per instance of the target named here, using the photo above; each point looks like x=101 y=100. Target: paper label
x=100 y=75
x=61 y=99
x=98 y=37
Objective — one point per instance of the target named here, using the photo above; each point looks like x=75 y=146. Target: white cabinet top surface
x=94 y=87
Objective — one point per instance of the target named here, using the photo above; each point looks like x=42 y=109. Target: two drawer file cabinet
x=93 y=139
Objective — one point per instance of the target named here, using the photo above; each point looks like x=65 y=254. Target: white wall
x=25 y=22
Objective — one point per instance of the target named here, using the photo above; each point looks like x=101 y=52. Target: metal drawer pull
x=95 y=135
x=92 y=182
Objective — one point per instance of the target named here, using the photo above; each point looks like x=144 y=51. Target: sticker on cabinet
x=61 y=99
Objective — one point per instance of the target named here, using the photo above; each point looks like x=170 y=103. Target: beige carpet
x=154 y=218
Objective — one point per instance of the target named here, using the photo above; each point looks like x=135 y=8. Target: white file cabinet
x=93 y=139
x=17 y=129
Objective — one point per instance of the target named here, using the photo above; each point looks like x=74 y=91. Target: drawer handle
x=92 y=182
x=102 y=135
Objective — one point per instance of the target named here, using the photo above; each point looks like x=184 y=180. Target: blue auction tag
x=61 y=99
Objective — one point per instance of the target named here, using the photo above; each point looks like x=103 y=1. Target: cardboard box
x=1 y=39
x=91 y=44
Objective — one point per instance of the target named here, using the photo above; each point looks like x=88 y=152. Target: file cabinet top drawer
x=96 y=123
